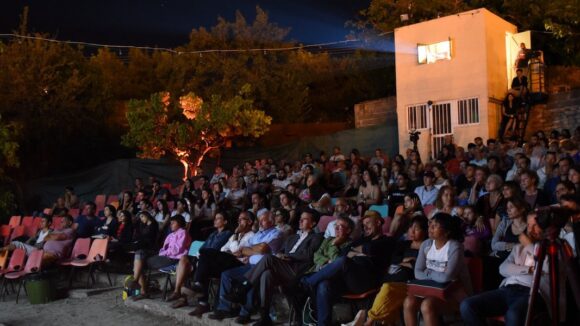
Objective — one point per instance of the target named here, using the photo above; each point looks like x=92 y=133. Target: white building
x=452 y=73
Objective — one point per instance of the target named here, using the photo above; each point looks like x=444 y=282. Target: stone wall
x=561 y=111
x=375 y=112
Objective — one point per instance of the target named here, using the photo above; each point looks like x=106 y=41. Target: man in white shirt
x=428 y=192
x=337 y=156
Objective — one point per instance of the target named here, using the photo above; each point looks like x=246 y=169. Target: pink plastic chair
x=100 y=201
x=27 y=221
x=57 y=222
x=387 y=226
x=30 y=231
x=14 y=221
x=16 y=261
x=18 y=231
x=33 y=265
x=324 y=221
x=5 y=231
x=37 y=221
x=427 y=209
x=80 y=251
x=97 y=255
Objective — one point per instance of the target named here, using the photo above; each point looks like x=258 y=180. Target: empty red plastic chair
x=16 y=261
x=387 y=226
x=97 y=256
x=324 y=221
x=37 y=221
x=33 y=265
x=18 y=232
x=30 y=231
x=5 y=231
x=14 y=221
x=80 y=251
x=27 y=221
x=100 y=201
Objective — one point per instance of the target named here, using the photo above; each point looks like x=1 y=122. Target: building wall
x=477 y=69
x=561 y=111
x=375 y=112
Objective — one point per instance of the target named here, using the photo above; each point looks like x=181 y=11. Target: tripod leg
x=540 y=256
x=554 y=282
x=571 y=270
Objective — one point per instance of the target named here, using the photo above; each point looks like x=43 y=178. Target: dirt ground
x=103 y=309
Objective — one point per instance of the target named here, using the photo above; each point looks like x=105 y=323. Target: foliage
x=555 y=20
x=190 y=127
x=8 y=159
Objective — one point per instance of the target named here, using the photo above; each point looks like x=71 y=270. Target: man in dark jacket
x=285 y=267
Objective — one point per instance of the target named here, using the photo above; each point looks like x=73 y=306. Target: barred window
x=417 y=117
x=468 y=111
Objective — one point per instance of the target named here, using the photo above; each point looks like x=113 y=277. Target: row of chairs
x=29 y=227
x=14 y=271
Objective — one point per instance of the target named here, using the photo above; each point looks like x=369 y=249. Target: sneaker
x=169 y=269
x=221 y=314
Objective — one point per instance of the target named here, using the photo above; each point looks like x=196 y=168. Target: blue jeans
x=508 y=301
x=226 y=283
x=325 y=289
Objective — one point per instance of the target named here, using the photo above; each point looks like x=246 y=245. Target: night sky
x=168 y=23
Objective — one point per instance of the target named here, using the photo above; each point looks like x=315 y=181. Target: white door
x=440 y=126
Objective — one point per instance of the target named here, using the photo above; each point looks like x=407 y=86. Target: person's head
x=439 y=171
x=574 y=174
x=534 y=231
x=384 y=172
x=510 y=189
x=564 y=166
x=124 y=216
x=162 y=206
x=245 y=221
x=564 y=187
x=480 y=175
x=343 y=226
x=127 y=197
x=217 y=188
x=528 y=180
x=469 y=214
x=281 y=216
x=517 y=208
x=68 y=221
x=257 y=199
x=428 y=178
x=265 y=219
x=60 y=202
x=523 y=162
x=445 y=227
x=376 y=168
x=308 y=220
x=281 y=175
x=177 y=222
x=493 y=183
x=478 y=141
x=45 y=222
x=341 y=206
x=445 y=197
x=372 y=223
x=90 y=208
x=69 y=190
x=182 y=206
x=146 y=217
x=336 y=150
x=402 y=180
x=293 y=189
x=418 y=229
x=412 y=202
x=220 y=221
x=286 y=198
x=369 y=178
x=493 y=163
x=110 y=211
x=311 y=180
x=570 y=201
x=519 y=72
x=144 y=205
x=470 y=170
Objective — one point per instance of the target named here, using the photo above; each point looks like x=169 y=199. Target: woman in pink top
x=175 y=246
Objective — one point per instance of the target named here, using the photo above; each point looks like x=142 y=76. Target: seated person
x=266 y=241
x=57 y=244
x=109 y=225
x=146 y=233
x=471 y=230
x=512 y=297
x=36 y=242
x=333 y=245
x=86 y=225
x=427 y=192
x=284 y=268
x=440 y=259
x=175 y=246
x=508 y=231
x=342 y=207
x=359 y=268
x=186 y=265
x=411 y=207
x=282 y=216
x=388 y=303
x=59 y=208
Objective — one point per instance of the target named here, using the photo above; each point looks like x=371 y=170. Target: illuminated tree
x=189 y=127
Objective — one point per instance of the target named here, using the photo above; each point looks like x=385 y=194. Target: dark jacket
x=302 y=258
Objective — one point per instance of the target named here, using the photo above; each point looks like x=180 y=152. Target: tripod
x=553 y=246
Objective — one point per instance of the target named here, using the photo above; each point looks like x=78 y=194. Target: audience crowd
x=326 y=226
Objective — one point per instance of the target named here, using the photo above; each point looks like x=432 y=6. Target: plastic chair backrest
x=472 y=245
x=194 y=248
x=475 y=267
x=167 y=186
x=112 y=198
x=98 y=251
x=323 y=223
x=18 y=232
x=74 y=212
x=37 y=221
x=382 y=209
x=5 y=231
x=81 y=248
x=34 y=262
x=27 y=221
x=387 y=226
x=14 y=221
x=427 y=209
x=17 y=259
x=3 y=259
x=30 y=230
x=100 y=202
x=57 y=222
